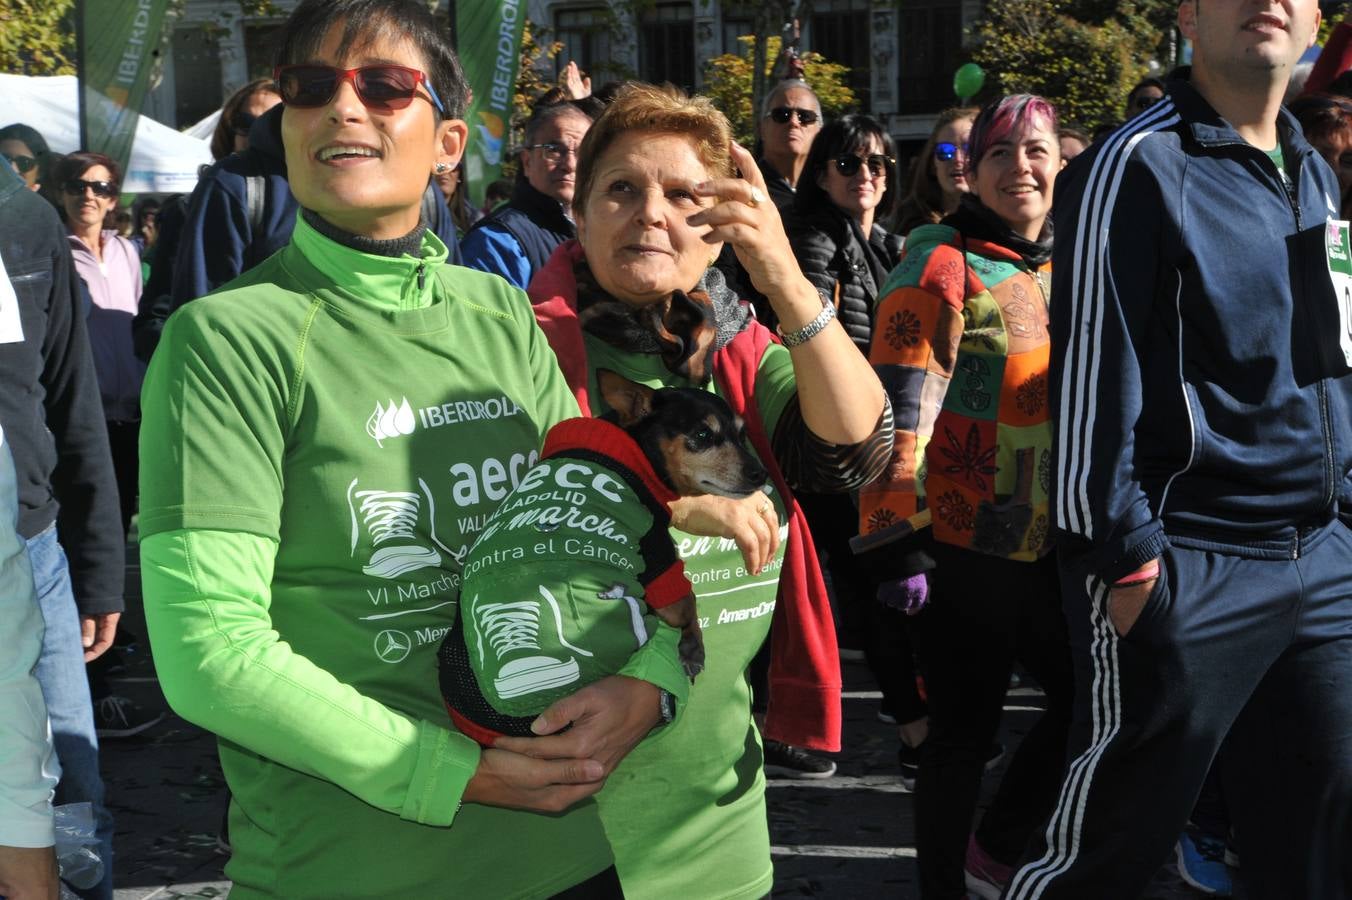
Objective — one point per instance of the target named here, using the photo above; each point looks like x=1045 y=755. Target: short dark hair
x=1070 y=131
x=1147 y=82
x=1002 y=116
x=845 y=135
x=35 y=142
x=1322 y=116
x=545 y=113
x=365 y=20
x=73 y=165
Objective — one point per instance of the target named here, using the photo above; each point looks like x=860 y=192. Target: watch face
x=667 y=705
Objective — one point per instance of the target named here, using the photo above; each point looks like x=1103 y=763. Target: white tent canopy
x=162 y=159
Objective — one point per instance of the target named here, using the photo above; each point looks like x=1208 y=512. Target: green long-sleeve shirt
x=323 y=439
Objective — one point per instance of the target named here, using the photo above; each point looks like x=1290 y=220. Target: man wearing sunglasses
x=790 y=118
x=518 y=237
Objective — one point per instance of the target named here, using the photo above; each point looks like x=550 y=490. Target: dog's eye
x=701 y=439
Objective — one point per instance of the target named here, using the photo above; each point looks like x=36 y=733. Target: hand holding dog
x=751 y=521
x=514 y=781
x=609 y=717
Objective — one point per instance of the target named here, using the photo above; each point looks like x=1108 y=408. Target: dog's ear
x=630 y=400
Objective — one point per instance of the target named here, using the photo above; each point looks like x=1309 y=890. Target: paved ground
x=850 y=836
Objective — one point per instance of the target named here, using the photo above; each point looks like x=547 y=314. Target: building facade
x=901 y=53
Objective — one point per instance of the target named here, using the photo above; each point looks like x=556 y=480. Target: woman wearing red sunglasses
x=324 y=437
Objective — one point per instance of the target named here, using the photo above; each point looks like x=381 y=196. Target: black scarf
x=410 y=244
x=685 y=329
x=975 y=219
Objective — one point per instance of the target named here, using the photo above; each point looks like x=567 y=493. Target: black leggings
x=985 y=614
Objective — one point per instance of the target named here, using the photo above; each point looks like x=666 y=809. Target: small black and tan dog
x=696 y=445
x=556 y=587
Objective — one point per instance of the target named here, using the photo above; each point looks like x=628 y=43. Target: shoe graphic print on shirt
x=395 y=420
x=398 y=527
x=527 y=656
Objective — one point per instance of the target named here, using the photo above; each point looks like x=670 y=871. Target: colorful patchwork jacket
x=961 y=344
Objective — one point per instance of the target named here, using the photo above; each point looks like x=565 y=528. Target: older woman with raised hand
x=939 y=174
x=637 y=294
x=303 y=529
x=961 y=341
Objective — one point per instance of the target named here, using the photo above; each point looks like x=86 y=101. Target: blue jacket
x=517 y=238
x=1199 y=391
x=219 y=240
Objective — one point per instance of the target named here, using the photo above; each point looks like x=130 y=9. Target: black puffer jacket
x=843 y=266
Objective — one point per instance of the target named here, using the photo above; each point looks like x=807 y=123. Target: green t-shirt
x=368 y=415
x=1279 y=160
x=685 y=811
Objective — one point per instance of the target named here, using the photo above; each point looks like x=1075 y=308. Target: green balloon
x=967 y=80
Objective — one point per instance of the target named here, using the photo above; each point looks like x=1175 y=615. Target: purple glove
x=906 y=594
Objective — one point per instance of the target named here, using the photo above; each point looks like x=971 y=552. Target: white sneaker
x=391 y=521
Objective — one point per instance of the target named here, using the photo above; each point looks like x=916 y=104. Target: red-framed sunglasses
x=382 y=87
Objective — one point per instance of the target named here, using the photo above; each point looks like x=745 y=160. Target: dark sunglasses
x=781 y=114
x=76 y=187
x=1145 y=101
x=848 y=164
x=24 y=164
x=383 y=88
x=946 y=152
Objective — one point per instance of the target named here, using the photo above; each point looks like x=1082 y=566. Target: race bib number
x=11 y=327
x=1338 y=255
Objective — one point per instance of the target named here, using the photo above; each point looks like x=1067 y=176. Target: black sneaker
x=795 y=762
x=121 y=717
x=908 y=761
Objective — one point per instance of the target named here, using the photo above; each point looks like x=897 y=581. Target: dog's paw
x=691 y=651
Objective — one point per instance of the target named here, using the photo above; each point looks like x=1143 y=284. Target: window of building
x=839 y=31
x=929 y=42
x=260 y=48
x=585 y=35
x=667 y=44
x=197 y=74
x=733 y=28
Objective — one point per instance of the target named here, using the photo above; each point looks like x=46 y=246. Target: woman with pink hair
x=960 y=339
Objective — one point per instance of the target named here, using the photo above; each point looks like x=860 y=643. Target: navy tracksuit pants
x=1254 y=642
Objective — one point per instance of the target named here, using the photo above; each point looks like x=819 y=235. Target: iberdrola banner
x=488 y=39
x=117 y=43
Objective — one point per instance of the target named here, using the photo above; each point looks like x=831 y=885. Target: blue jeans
x=61 y=672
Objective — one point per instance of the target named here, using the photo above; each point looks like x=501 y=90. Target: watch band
x=810 y=330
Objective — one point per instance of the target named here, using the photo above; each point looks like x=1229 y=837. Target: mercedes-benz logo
x=393 y=646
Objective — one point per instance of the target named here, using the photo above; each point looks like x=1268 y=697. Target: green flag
x=117 y=44
x=488 y=35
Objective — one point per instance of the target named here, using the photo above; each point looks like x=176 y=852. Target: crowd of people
x=1087 y=424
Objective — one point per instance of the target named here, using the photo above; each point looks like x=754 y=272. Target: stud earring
x=441 y=168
